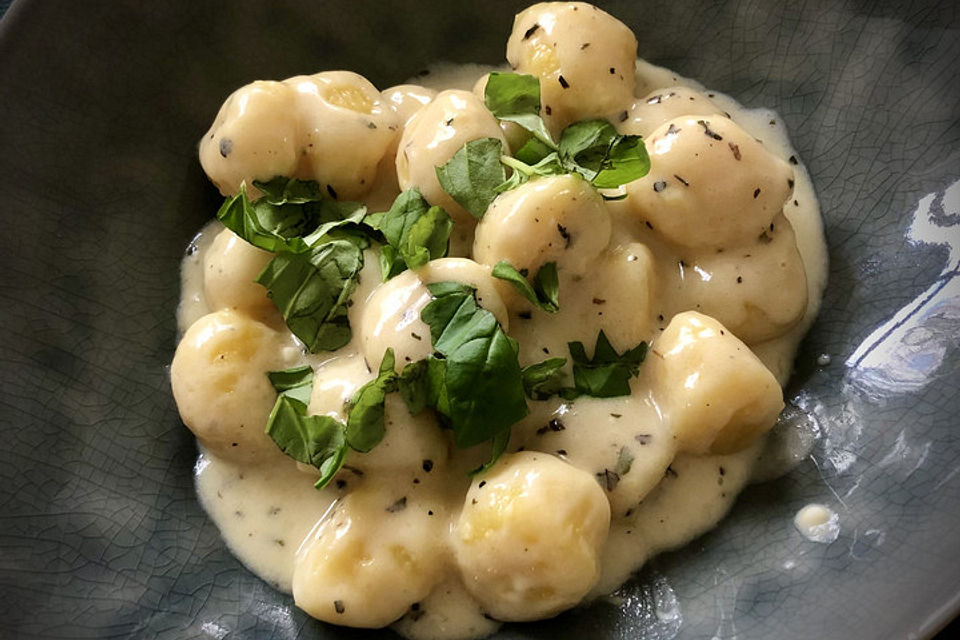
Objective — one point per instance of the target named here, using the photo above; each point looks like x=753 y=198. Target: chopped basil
x=522 y=172
x=515 y=97
x=476 y=379
x=472 y=175
x=608 y=373
x=544 y=293
x=296 y=382
x=312 y=289
x=595 y=150
x=291 y=216
x=414 y=386
x=497 y=447
x=414 y=231
x=542 y=380
x=365 y=423
x=319 y=441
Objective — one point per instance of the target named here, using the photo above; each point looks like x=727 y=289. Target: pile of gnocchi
x=366 y=275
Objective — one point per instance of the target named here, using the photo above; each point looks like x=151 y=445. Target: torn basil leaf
x=545 y=292
x=595 y=150
x=477 y=382
x=607 y=374
x=296 y=382
x=291 y=216
x=312 y=290
x=319 y=441
x=365 y=422
x=414 y=386
x=281 y=190
x=497 y=447
x=543 y=380
x=414 y=231
x=472 y=175
x=515 y=97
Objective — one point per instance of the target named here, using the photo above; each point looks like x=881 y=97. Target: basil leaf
x=365 y=423
x=515 y=97
x=477 y=383
x=296 y=382
x=315 y=440
x=595 y=150
x=472 y=175
x=291 y=216
x=533 y=152
x=522 y=172
x=626 y=161
x=427 y=238
x=497 y=448
x=414 y=231
x=608 y=373
x=332 y=215
x=543 y=379
x=312 y=289
x=414 y=386
x=545 y=291
x=262 y=224
x=281 y=190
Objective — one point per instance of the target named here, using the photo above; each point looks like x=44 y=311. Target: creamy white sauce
x=266 y=511
x=817 y=523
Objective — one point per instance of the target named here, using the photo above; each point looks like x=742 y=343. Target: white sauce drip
x=817 y=523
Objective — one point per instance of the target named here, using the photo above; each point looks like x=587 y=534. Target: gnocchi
x=528 y=538
x=644 y=327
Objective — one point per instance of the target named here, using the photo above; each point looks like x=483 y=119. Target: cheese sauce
x=412 y=487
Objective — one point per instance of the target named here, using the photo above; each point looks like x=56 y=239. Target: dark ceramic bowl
x=101 y=106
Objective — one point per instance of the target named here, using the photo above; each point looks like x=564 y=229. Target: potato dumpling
x=717 y=395
x=558 y=219
x=585 y=59
x=529 y=537
x=651 y=111
x=219 y=381
x=375 y=554
x=345 y=130
x=293 y=128
x=253 y=137
x=390 y=316
x=433 y=136
x=711 y=184
x=405 y=100
x=230 y=267
x=758 y=291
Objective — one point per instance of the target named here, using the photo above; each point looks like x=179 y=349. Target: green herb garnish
x=595 y=150
x=312 y=289
x=365 y=424
x=319 y=441
x=515 y=97
x=472 y=175
x=545 y=292
x=544 y=379
x=608 y=373
x=414 y=231
x=292 y=215
x=296 y=383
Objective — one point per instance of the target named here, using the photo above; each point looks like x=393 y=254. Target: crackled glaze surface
x=100 y=530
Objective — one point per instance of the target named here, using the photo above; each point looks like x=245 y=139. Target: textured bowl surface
x=101 y=107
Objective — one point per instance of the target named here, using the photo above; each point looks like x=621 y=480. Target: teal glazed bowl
x=101 y=107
